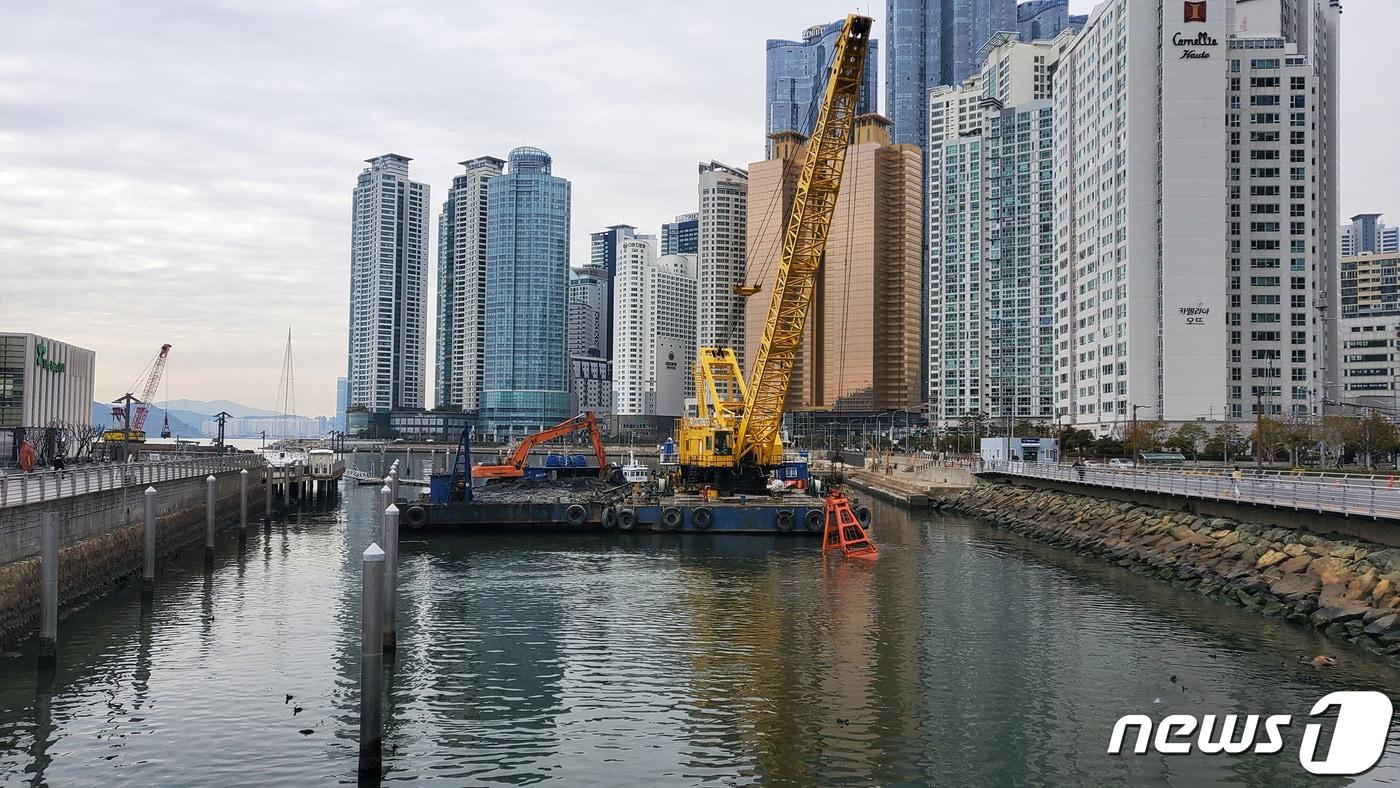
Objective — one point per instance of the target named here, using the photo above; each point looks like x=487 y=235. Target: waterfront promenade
x=18 y=488
x=1377 y=497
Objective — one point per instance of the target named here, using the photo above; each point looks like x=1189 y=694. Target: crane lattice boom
x=152 y=386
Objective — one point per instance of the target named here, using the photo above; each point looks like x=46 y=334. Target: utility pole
x=126 y=400
x=221 y=417
x=1133 y=432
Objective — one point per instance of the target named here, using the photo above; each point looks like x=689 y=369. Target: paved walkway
x=18 y=488
x=1377 y=497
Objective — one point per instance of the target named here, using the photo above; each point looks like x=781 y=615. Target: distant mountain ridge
x=208 y=409
x=180 y=424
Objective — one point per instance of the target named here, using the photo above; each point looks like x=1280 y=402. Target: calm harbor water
x=964 y=655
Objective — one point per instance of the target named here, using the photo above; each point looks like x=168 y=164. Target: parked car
x=1121 y=464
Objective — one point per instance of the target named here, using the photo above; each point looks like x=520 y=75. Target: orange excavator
x=515 y=466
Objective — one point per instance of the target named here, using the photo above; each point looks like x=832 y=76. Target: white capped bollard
x=48 y=590
x=385 y=499
x=243 y=498
x=209 y=482
x=394 y=484
x=391 y=575
x=148 y=572
x=371 y=661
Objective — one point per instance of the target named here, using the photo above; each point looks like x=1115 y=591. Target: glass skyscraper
x=526 y=386
x=796 y=77
x=931 y=43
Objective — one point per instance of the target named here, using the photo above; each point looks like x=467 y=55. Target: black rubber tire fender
x=812 y=520
x=416 y=516
x=671 y=518
x=703 y=517
x=785 y=520
x=626 y=518
x=576 y=514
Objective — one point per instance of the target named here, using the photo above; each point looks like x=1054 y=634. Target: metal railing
x=18 y=488
x=1369 y=496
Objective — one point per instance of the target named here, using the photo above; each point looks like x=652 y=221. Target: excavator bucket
x=844 y=531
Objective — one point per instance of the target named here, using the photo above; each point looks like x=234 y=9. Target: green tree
x=1268 y=435
x=1298 y=438
x=1226 y=443
x=1075 y=441
x=1188 y=439
x=1142 y=436
x=1373 y=434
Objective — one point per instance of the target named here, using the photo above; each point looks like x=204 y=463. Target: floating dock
x=799 y=515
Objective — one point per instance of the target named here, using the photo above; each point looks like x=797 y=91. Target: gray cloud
x=181 y=172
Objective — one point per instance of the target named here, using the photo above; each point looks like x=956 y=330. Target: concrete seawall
x=1346 y=587
x=102 y=544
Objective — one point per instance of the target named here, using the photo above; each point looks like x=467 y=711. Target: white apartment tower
x=1195 y=197
x=461 y=305
x=653 y=329
x=990 y=218
x=388 y=287
x=724 y=195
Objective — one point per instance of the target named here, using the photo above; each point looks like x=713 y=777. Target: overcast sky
x=181 y=172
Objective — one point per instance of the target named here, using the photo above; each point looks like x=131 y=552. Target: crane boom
x=737 y=427
x=804 y=242
x=152 y=386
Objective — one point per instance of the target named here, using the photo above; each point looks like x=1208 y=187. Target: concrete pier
x=243 y=499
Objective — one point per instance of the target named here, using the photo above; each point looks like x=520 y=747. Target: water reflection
x=964 y=655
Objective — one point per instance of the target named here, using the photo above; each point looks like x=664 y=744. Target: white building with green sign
x=44 y=381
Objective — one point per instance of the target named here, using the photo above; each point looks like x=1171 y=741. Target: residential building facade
x=796 y=77
x=990 y=218
x=722 y=245
x=1042 y=20
x=1367 y=233
x=654 y=316
x=1370 y=284
x=681 y=236
x=461 y=297
x=603 y=250
x=930 y=43
x=588 y=303
x=861 y=351
x=1157 y=109
x=526 y=369
x=388 y=288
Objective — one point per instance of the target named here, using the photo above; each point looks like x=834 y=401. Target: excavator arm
x=514 y=467
x=804 y=246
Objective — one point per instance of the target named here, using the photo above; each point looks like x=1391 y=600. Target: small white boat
x=634 y=472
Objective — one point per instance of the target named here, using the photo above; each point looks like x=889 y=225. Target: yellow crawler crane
x=734 y=441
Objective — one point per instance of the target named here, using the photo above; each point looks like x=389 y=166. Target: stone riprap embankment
x=1345 y=587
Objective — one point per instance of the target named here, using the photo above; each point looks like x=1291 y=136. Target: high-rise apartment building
x=930 y=43
x=388 y=289
x=1167 y=119
x=603 y=248
x=342 y=401
x=654 y=317
x=990 y=219
x=588 y=302
x=1370 y=284
x=461 y=304
x=723 y=192
x=681 y=236
x=862 y=337
x=796 y=78
x=526 y=385
x=1367 y=233
x=1042 y=20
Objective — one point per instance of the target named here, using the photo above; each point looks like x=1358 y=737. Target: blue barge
x=799 y=515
